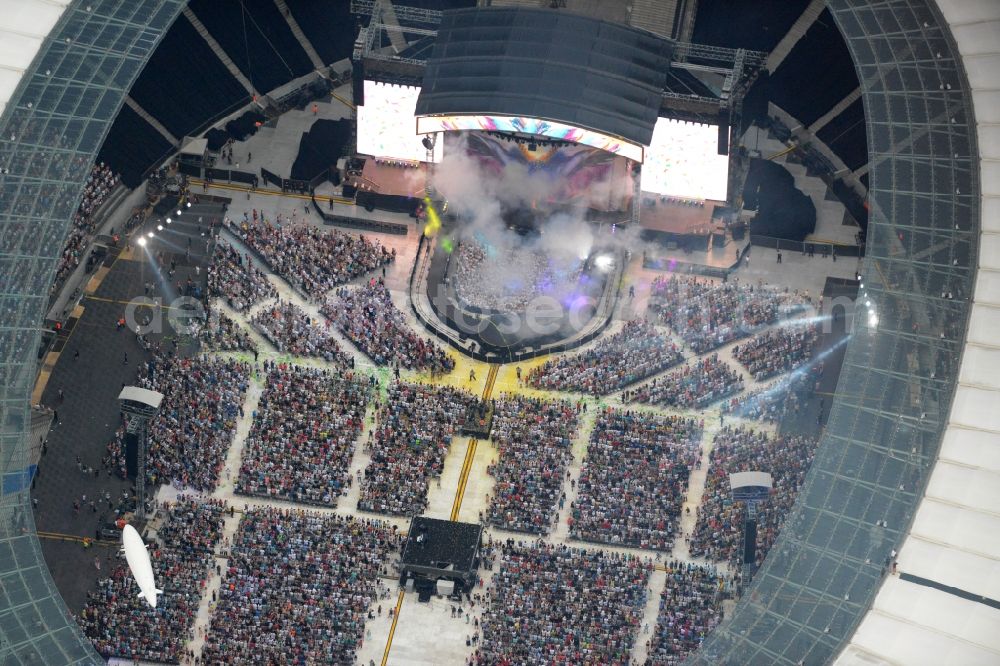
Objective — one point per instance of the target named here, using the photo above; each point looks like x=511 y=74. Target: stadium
x=499 y=332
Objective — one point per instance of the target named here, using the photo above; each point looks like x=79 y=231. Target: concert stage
x=441 y=556
x=393 y=177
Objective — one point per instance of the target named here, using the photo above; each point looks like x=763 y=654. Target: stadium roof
x=876 y=459
x=538 y=63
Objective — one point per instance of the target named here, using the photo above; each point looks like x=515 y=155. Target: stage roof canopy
x=548 y=64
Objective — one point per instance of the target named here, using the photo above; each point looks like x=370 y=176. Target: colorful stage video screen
x=683 y=161
x=386 y=126
x=548 y=128
x=549 y=176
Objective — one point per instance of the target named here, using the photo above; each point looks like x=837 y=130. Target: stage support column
x=140 y=406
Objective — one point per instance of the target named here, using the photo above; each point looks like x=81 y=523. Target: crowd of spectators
x=709 y=314
x=690 y=607
x=221 y=333
x=506 y=280
x=99 y=185
x=189 y=438
x=234 y=278
x=315 y=261
x=302 y=439
x=719 y=526
x=367 y=317
x=294 y=332
x=696 y=385
x=770 y=403
x=297 y=588
x=534 y=438
x=778 y=350
x=634 y=479
x=121 y=624
x=552 y=604
x=415 y=426
x=637 y=351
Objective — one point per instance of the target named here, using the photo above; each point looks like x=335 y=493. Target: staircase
x=219 y=51
x=307 y=46
x=656 y=16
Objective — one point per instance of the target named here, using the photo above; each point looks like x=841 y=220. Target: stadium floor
x=420 y=633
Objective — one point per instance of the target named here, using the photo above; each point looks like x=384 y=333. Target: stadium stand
x=798 y=86
x=165 y=87
x=255 y=35
x=724 y=22
x=133 y=146
x=847 y=136
x=328 y=26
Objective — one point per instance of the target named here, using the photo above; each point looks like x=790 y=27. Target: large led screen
x=386 y=126
x=561 y=131
x=683 y=161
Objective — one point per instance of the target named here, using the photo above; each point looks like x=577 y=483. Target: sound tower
x=750 y=541
x=723 y=136
x=131 y=454
x=358 y=83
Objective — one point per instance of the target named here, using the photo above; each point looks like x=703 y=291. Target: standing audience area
x=292 y=331
x=636 y=352
x=297 y=588
x=534 y=438
x=697 y=385
x=367 y=317
x=690 y=607
x=122 y=625
x=718 y=531
x=233 y=278
x=709 y=314
x=552 y=604
x=415 y=426
x=778 y=350
x=191 y=435
x=302 y=439
x=312 y=260
x=634 y=479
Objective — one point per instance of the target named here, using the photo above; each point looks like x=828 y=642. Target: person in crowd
x=634 y=479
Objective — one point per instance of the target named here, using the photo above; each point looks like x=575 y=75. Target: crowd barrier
x=362 y=224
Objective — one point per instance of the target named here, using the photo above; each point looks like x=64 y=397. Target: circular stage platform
x=507 y=311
